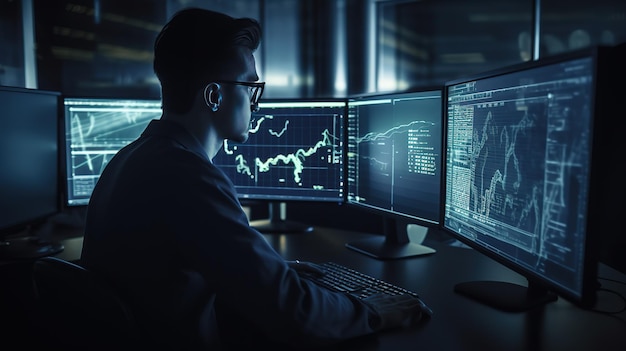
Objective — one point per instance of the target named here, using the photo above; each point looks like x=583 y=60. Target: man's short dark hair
x=193 y=46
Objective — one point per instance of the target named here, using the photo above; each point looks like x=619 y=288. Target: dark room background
x=311 y=48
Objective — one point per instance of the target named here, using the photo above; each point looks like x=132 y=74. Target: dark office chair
x=78 y=310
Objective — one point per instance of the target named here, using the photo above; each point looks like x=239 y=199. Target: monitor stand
x=28 y=247
x=395 y=243
x=277 y=222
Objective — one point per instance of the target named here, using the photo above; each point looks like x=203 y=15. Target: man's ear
x=213 y=96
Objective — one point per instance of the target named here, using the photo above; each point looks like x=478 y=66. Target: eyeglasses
x=254 y=88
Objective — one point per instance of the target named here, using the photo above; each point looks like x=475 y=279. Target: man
x=164 y=225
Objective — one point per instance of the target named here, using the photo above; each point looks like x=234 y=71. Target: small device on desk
x=394 y=167
x=29 y=247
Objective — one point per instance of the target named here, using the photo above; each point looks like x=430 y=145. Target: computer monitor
x=95 y=130
x=29 y=170
x=613 y=206
x=394 y=144
x=294 y=153
x=522 y=172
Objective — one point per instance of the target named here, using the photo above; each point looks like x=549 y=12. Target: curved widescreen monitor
x=521 y=160
x=294 y=153
x=394 y=144
x=95 y=130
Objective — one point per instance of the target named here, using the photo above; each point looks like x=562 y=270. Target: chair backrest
x=78 y=309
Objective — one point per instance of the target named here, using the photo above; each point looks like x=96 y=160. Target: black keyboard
x=343 y=279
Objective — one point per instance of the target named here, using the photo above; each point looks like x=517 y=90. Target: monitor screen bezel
x=585 y=297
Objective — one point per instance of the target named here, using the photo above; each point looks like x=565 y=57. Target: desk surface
x=458 y=323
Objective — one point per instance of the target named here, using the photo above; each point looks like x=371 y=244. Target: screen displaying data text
x=394 y=153
x=518 y=166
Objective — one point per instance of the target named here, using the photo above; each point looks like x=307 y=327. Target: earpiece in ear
x=212 y=96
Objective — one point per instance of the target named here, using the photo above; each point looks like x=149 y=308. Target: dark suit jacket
x=164 y=225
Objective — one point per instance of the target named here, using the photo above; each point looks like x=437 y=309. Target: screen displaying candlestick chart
x=294 y=152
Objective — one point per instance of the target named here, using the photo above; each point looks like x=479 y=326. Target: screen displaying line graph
x=294 y=152
x=394 y=153
x=95 y=130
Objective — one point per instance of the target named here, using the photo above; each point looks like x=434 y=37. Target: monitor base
x=277 y=222
x=269 y=226
x=505 y=296
x=380 y=249
x=396 y=242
